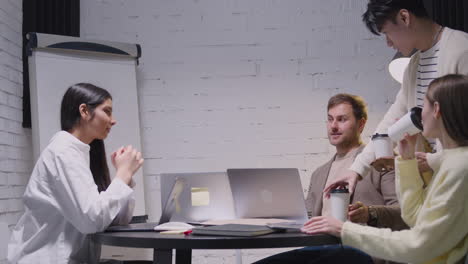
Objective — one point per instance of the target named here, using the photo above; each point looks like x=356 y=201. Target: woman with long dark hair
x=437 y=214
x=70 y=193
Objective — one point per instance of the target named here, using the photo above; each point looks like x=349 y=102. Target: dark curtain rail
x=60 y=17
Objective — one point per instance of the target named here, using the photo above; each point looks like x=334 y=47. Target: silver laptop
x=168 y=209
x=206 y=196
x=268 y=193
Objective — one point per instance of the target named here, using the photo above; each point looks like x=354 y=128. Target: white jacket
x=453 y=59
x=62 y=205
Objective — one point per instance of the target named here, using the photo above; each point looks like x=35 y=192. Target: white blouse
x=62 y=205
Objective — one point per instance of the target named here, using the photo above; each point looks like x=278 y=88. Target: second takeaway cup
x=409 y=123
x=383 y=146
x=339 y=201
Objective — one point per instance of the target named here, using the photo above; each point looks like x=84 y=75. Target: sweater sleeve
x=440 y=231
x=389 y=215
x=361 y=164
x=126 y=213
x=410 y=189
x=387 y=187
x=312 y=196
x=77 y=196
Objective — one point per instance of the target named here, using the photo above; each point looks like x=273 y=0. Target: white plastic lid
x=397 y=68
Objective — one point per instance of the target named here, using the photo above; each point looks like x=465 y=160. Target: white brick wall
x=241 y=83
x=15 y=142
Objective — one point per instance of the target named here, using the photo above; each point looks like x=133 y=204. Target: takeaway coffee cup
x=339 y=201
x=383 y=146
x=409 y=123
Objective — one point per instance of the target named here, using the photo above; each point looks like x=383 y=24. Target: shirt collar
x=75 y=141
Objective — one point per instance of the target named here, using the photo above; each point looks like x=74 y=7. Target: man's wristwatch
x=372 y=216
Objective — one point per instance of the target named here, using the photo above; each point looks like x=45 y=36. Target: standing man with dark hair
x=440 y=51
x=375 y=201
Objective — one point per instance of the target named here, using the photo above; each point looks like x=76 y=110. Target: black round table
x=183 y=244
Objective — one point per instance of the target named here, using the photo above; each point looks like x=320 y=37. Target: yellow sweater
x=437 y=215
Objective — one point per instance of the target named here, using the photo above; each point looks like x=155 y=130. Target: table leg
x=162 y=256
x=183 y=256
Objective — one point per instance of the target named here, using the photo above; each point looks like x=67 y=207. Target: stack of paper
x=173 y=228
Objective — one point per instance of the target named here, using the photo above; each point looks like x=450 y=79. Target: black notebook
x=139 y=227
x=233 y=230
x=286 y=227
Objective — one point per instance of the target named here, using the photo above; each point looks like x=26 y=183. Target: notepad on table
x=173 y=226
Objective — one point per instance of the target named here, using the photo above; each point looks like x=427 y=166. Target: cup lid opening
x=342 y=190
x=416 y=117
x=377 y=135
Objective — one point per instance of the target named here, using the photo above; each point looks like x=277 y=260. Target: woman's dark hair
x=91 y=96
x=380 y=11
x=356 y=102
x=451 y=91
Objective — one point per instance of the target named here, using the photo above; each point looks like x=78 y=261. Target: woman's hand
x=407 y=147
x=423 y=166
x=114 y=154
x=126 y=161
x=323 y=224
x=358 y=213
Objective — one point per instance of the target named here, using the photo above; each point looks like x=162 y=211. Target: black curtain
x=449 y=13
x=60 y=17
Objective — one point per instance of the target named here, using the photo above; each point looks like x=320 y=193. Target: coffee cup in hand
x=409 y=124
x=339 y=201
x=383 y=146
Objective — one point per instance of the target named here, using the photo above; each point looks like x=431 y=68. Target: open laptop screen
x=268 y=193
x=206 y=196
x=169 y=208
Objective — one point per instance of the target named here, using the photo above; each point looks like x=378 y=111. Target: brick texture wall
x=15 y=142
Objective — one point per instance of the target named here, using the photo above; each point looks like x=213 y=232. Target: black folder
x=233 y=230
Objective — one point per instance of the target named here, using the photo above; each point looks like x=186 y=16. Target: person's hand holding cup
x=339 y=202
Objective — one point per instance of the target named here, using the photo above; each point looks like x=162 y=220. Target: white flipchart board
x=53 y=70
